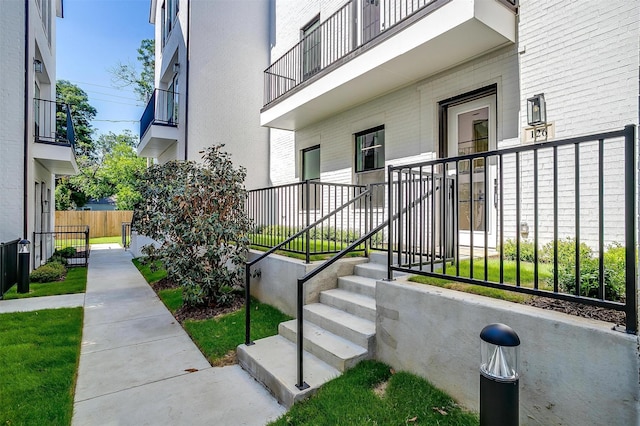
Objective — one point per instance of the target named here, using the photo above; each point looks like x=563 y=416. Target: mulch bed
x=577 y=309
x=201 y=312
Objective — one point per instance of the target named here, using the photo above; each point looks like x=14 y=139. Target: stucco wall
x=278 y=280
x=226 y=83
x=573 y=371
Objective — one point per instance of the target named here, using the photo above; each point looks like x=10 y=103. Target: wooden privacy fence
x=101 y=223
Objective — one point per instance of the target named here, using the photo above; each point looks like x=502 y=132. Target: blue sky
x=93 y=36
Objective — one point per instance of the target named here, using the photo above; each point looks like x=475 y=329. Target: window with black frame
x=370 y=149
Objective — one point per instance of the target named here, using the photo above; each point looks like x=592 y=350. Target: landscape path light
x=499 y=376
x=23 y=266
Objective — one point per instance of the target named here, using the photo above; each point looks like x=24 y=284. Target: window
x=172 y=101
x=311 y=48
x=370 y=149
x=311 y=163
x=169 y=12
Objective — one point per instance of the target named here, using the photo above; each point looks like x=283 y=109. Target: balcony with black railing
x=370 y=47
x=159 y=123
x=54 y=136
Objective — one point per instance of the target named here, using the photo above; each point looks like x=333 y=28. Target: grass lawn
x=38 y=362
x=493 y=265
x=106 y=240
x=299 y=245
x=148 y=274
x=370 y=394
x=74 y=282
x=218 y=337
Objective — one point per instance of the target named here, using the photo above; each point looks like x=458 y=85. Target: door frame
x=461 y=100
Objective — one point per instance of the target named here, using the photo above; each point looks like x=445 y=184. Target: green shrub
x=47 y=273
x=526 y=250
x=56 y=258
x=614 y=271
x=66 y=252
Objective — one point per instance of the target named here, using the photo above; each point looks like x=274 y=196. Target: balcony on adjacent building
x=54 y=137
x=159 y=124
x=370 y=47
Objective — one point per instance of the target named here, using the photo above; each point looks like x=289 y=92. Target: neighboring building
x=209 y=60
x=365 y=84
x=36 y=137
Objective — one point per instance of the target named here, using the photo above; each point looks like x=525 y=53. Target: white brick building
x=32 y=150
x=427 y=61
x=209 y=83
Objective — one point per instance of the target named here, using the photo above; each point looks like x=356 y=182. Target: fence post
x=390 y=225
x=629 y=229
x=247 y=304
x=308 y=218
x=301 y=384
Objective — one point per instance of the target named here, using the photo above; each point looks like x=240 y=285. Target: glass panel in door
x=471 y=131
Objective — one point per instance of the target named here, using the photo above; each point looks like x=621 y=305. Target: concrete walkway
x=139 y=367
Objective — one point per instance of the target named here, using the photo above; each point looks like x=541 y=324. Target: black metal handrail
x=543 y=159
x=280 y=211
x=53 y=123
x=304 y=231
x=162 y=109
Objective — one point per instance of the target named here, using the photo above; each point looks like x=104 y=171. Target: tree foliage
x=141 y=79
x=196 y=213
x=82 y=114
x=111 y=170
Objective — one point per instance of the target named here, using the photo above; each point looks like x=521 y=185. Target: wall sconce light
x=176 y=68
x=37 y=66
x=536 y=110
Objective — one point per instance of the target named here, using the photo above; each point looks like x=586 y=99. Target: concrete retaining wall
x=574 y=371
x=279 y=278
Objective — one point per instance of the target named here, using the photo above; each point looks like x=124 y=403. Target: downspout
x=26 y=122
x=186 y=92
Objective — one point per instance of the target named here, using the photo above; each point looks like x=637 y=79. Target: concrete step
x=378 y=257
x=336 y=351
x=353 y=303
x=358 y=330
x=376 y=271
x=358 y=284
x=273 y=362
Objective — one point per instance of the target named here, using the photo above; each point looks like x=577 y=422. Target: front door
x=471 y=128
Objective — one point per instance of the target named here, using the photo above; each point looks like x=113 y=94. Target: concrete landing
x=138 y=366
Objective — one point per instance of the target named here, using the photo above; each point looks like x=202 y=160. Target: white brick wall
x=11 y=118
x=582 y=55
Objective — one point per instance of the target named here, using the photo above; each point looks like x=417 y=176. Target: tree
x=82 y=113
x=126 y=75
x=120 y=169
x=196 y=213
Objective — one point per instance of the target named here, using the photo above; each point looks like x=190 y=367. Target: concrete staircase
x=339 y=331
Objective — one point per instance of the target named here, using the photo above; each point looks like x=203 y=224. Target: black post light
x=23 y=266
x=499 y=377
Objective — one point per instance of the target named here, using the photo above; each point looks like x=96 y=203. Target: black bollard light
x=499 y=378
x=23 y=266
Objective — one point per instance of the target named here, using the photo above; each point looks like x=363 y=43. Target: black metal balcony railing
x=162 y=109
x=340 y=35
x=53 y=123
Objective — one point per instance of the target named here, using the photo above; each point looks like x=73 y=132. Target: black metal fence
x=561 y=212
x=53 y=123
x=73 y=238
x=281 y=211
x=162 y=109
x=8 y=265
x=126 y=234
